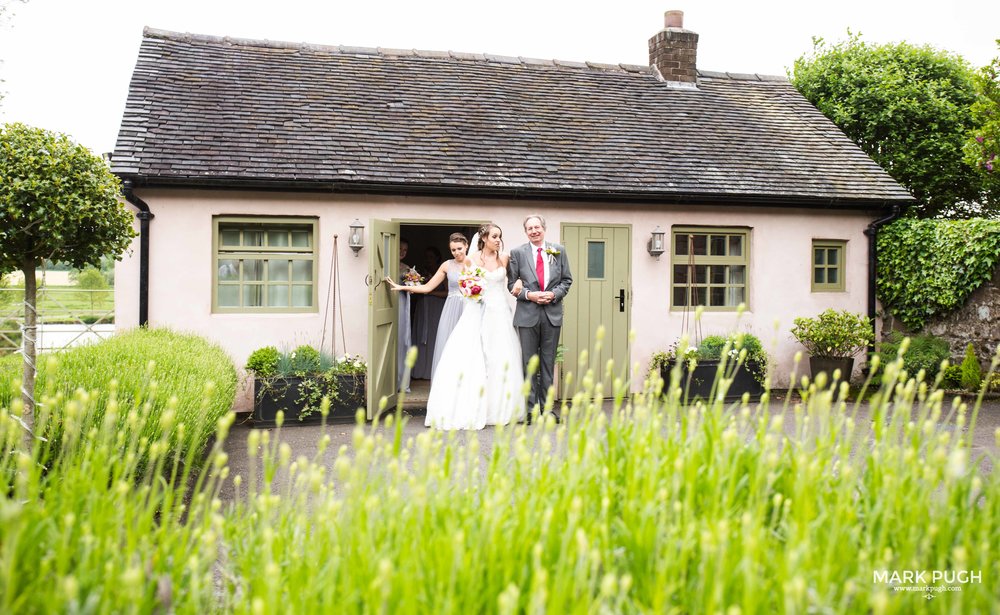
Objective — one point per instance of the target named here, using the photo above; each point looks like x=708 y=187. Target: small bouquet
x=411 y=277
x=470 y=283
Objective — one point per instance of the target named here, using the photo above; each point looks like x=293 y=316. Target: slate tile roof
x=212 y=110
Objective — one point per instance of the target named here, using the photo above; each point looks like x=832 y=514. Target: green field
x=55 y=304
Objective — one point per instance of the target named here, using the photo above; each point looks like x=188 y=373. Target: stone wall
x=978 y=321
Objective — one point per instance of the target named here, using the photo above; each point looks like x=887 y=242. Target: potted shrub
x=833 y=339
x=700 y=366
x=296 y=383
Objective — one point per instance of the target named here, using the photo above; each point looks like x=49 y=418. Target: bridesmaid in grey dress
x=453 y=305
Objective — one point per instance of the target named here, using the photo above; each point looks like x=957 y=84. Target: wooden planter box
x=290 y=396
x=699 y=385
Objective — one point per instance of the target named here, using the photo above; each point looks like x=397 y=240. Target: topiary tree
x=972 y=371
x=57 y=201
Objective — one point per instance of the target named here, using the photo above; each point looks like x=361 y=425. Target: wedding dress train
x=479 y=379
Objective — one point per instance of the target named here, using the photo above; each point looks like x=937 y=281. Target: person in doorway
x=479 y=377
x=544 y=273
x=458 y=245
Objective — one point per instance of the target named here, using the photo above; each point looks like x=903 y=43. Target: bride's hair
x=484 y=232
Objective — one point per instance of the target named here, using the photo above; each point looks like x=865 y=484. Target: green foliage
x=952 y=378
x=91 y=278
x=839 y=334
x=263 y=362
x=57 y=201
x=907 y=107
x=653 y=507
x=140 y=367
x=925 y=352
x=6 y=296
x=713 y=348
x=972 y=371
x=319 y=372
x=928 y=268
x=982 y=150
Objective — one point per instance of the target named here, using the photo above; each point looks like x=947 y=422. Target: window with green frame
x=709 y=267
x=264 y=265
x=828 y=265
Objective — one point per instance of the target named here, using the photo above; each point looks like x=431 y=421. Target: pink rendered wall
x=780 y=242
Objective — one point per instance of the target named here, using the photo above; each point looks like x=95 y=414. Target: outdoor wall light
x=356 y=240
x=655 y=246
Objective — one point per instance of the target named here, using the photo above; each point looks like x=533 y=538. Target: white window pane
x=737 y=295
x=277 y=239
x=302 y=271
x=277 y=295
x=230 y=237
x=253 y=269
x=253 y=238
x=277 y=271
x=253 y=295
x=229 y=270
x=302 y=295
x=737 y=274
x=736 y=245
x=300 y=239
x=229 y=295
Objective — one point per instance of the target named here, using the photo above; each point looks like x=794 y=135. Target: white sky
x=67 y=63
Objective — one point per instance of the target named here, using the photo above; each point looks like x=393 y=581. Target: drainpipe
x=872 y=233
x=144 y=216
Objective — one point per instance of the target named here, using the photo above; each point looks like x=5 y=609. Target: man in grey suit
x=544 y=272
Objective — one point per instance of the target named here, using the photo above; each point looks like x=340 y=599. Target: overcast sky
x=67 y=63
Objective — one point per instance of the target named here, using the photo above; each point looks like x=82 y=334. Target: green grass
x=62 y=303
x=655 y=508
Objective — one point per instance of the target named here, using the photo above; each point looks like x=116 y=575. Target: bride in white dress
x=479 y=378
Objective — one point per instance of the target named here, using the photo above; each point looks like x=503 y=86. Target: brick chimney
x=673 y=50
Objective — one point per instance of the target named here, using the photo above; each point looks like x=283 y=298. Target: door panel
x=600 y=257
x=383 y=315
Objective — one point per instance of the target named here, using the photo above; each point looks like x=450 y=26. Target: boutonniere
x=552 y=252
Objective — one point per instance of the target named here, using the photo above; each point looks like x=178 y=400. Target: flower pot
x=829 y=364
x=300 y=397
x=697 y=383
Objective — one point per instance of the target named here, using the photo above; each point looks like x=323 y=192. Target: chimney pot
x=674 y=50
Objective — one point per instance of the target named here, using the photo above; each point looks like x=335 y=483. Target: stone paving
x=304 y=439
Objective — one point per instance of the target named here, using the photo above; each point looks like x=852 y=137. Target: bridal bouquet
x=470 y=283
x=412 y=278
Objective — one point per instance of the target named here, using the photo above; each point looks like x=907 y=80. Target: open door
x=383 y=315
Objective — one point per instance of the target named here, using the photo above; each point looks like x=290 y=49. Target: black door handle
x=621 y=299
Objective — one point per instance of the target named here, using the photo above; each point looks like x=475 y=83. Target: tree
x=982 y=150
x=908 y=107
x=57 y=201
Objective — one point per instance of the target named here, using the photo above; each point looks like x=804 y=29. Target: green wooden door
x=383 y=315
x=600 y=257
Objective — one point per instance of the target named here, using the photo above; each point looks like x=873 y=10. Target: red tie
x=540 y=270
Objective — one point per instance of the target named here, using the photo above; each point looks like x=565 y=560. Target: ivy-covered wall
x=942 y=277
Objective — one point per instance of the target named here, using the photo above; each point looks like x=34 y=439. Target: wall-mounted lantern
x=356 y=240
x=655 y=245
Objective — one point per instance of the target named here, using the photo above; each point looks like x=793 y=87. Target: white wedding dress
x=479 y=377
